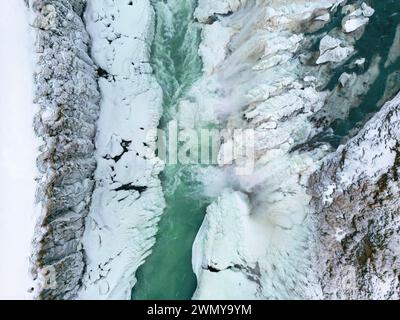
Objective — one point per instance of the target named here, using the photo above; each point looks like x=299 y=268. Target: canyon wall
x=68 y=97
x=99 y=108
x=356 y=202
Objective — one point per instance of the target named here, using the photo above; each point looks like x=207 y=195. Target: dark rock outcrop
x=356 y=199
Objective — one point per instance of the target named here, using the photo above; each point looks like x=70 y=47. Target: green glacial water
x=167 y=273
x=377 y=40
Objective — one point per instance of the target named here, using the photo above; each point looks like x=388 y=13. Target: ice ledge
x=207 y=9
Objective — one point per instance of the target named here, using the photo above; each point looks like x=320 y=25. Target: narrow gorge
x=213 y=149
x=177 y=66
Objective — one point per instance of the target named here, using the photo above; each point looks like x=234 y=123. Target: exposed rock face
x=356 y=198
x=68 y=98
x=88 y=243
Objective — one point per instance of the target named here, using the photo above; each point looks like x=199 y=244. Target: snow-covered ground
x=255 y=238
x=18 y=149
x=128 y=199
x=357 y=243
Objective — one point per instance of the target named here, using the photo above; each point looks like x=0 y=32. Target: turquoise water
x=167 y=273
x=376 y=40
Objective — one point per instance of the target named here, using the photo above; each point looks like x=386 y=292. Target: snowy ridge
x=356 y=199
x=128 y=198
x=66 y=91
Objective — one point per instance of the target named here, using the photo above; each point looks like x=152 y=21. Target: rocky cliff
x=99 y=108
x=68 y=97
x=356 y=201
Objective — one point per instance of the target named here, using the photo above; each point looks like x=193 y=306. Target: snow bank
x=128 y=198
x=18 y=151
